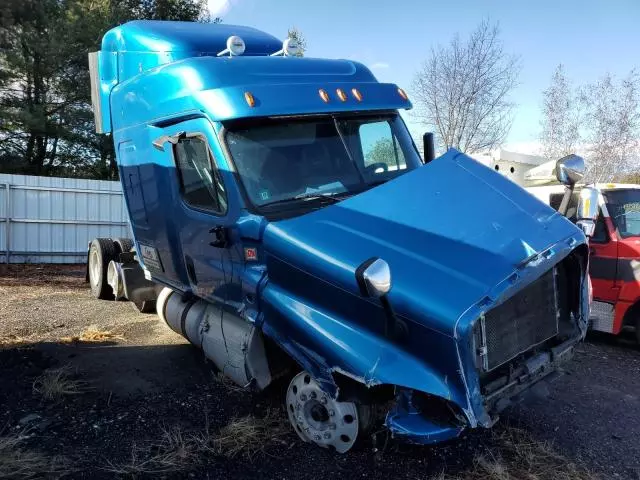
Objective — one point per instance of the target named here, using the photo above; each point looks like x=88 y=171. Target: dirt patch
x=137 y=401
x=36 y=275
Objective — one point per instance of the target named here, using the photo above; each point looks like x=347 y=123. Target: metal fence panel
x=51 y=220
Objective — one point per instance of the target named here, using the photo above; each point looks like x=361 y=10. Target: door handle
x=221 y=239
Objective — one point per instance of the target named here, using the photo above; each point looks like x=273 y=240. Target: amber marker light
x=324 y=95
x=356 y=93
x=251 y=101
x=403 y=94
x=341 y=95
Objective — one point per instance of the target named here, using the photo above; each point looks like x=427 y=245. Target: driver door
x=200 y=211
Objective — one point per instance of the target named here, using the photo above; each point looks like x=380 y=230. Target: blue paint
x=459 y=238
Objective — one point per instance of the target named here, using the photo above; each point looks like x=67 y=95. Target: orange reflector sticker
x=248 y=96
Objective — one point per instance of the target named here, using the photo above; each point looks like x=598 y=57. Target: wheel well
x=632 y=315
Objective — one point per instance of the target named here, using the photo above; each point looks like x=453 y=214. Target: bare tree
x=612 y=123
x=462 y=90
x=561 y=115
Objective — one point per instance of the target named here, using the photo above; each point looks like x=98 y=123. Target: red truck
x=615 y=259
x=614 y=250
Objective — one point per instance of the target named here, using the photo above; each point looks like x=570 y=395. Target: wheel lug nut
x=313 y=395
x=332 y=426
x=323 y=400
x=327 y=435
x=316 y=437
x=332 y=413
x=303 y=397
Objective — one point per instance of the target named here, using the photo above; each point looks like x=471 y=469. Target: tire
x=145 y=306
x=123 y=245
x=638 y=329
x=101 y=252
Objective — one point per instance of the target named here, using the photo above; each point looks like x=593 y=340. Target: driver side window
x=379 y=146
x=200 y=183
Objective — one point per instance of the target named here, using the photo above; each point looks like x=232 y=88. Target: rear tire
x=123 y=245
x=101 y=252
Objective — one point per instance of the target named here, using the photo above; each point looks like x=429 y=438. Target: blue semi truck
x=285 y=223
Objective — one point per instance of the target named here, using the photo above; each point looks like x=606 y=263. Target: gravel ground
x=141 y=402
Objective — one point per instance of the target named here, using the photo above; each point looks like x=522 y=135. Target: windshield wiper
x=331 y=197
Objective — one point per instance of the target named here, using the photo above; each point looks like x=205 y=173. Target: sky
x=393 y=38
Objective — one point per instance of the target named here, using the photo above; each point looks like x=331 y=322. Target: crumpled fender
x=405 y=421
x=323 y=344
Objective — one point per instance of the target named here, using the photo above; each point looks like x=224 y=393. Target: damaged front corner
x=406 y=421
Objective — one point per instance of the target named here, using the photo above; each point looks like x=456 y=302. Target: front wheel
x=318 y=418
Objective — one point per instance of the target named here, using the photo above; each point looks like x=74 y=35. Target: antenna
x=290 y=48
x=235 y=47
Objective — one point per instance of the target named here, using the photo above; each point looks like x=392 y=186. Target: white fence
x=51 y=220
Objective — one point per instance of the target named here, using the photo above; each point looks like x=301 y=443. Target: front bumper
x=416 y=425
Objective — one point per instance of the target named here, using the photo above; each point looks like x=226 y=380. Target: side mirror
x=570 y=170
x=374 y=278
x=588 y=211
x=429 y=147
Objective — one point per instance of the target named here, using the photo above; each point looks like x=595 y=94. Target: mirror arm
x=390 y=330
x=159 y=142
x=564 y=205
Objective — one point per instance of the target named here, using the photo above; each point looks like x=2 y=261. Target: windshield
x=624 y=208
x=291 y=162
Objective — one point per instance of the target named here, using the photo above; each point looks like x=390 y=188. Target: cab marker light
x=251 y=101
x=403 y=94
x=341 y=95
x=356 y=93
x=324 y=95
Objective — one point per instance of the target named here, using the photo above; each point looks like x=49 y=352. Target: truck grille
x=520 y=323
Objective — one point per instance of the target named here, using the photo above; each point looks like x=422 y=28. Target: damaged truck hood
x=450 y=231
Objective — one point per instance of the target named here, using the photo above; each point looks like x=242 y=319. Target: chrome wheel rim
x=94 y=267
x=318 y=418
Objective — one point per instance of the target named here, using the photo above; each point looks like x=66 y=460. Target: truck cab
x=285 y=224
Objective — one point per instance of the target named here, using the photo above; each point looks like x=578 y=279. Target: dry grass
x=177 y=451
x=13 y=341
x=54 y=384
x=93 y=335
x=19 y=463
x=249 y=436
x=516 y=455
